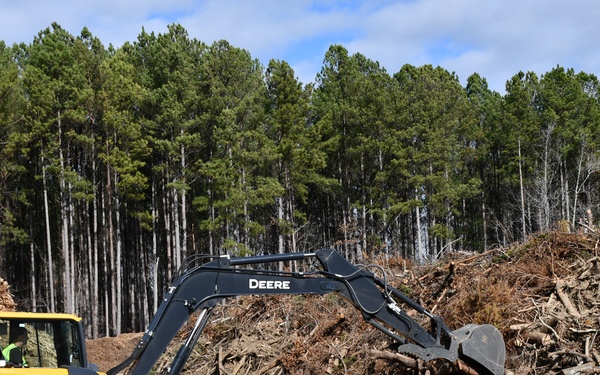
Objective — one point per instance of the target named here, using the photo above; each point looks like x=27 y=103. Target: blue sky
x=495 y=38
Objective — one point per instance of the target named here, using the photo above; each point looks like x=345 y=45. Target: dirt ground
x=107 y=352
x=541 y=294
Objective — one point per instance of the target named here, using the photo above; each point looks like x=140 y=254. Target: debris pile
x=556 y=325
x=286 y=335
x=6 y=299
x=543 y=295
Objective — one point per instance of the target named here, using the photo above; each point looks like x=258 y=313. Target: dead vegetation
x=542 y=294
x=7 y=302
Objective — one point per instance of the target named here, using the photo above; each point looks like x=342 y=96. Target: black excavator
x=203 y=282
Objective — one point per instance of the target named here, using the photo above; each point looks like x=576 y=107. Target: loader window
x=52 y=343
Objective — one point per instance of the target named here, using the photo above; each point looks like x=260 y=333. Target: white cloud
x=496 y=39
x=260 y=25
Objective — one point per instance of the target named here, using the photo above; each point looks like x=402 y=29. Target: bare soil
x=108 y=352
x=541 y=294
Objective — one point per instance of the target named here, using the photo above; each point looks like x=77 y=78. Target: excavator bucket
x=482 y=347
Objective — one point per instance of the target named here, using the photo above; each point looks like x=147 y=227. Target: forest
x=119 y=162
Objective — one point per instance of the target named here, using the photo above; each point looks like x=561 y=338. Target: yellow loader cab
x=56 y=344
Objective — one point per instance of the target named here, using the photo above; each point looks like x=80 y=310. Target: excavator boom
x=201 y=287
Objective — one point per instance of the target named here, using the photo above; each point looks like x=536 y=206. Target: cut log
x=396 y=357
x=564 y=298
x=586 y=368
x=537 y=337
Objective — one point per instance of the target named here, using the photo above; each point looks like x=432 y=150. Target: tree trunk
x=184 y=233
x=544 y=218
x=384 y=223
x=155 y=258
x=95 y=267
x=72 y=260
x=176 y=228
x=88 y=274
x=48 y=239
x=484 y=223
x=243 y=231
x=65 y=238
x=106 y=261
x=280 y=217
x=363 y=240
x=32 y=274
x=419 y=245
x=143 y=285
x=118 y=274
x=168 y=231
x=133 y=265
x=522 y=190
x=290 y=211
x=113 y=276
x=578 y=184
x=211 y=218
x=567 y=192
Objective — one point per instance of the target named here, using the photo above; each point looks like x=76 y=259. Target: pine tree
x=439 y=132
x=233 y=111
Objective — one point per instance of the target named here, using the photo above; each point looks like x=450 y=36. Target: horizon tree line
x=118 y=163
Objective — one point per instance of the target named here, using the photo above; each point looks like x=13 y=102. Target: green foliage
x=9 y=232
x=407 y=290
x=167 y=146
x=234 y=248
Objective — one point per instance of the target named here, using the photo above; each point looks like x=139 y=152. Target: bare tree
x=588 y=164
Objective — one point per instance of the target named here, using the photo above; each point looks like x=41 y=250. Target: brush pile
x=542 y=294
x=6 y=299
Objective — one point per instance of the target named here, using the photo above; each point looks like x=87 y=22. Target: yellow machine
x=56 y=344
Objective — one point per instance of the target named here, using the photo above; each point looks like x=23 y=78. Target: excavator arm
x=202 y=287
